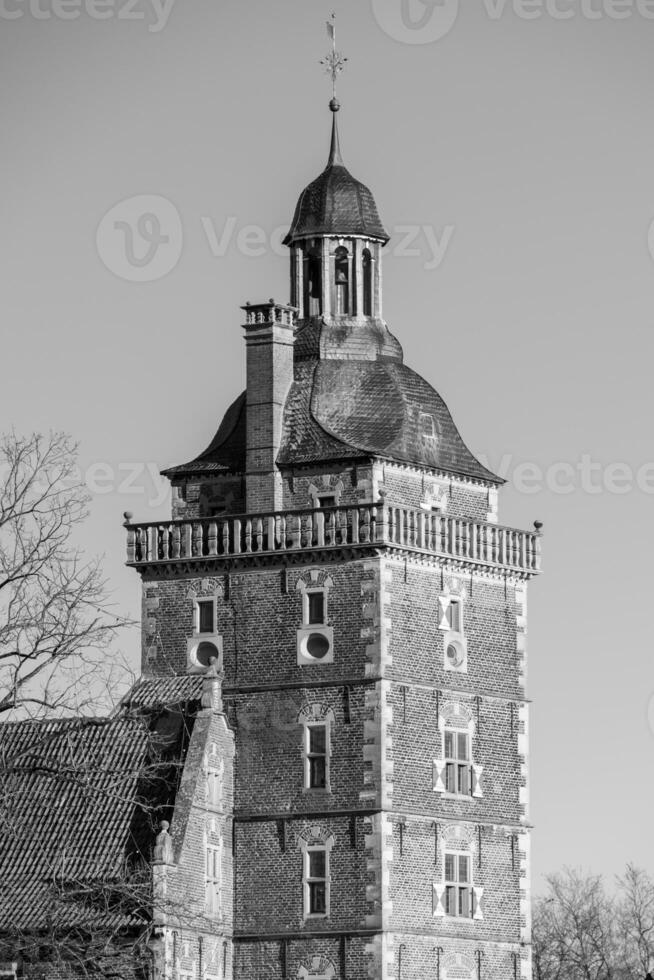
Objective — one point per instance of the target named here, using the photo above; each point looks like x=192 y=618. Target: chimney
x=269 y=347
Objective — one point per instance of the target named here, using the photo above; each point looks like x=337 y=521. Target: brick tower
x=335 y=556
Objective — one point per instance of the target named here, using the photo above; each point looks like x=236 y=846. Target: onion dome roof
x=335 y=203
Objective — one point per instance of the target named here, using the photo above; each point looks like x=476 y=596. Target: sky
x=153 y=153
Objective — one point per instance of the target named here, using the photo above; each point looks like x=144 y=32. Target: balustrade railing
x=415 y=530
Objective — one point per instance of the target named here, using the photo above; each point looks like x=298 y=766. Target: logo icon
x=416 y=21
x=140 y=239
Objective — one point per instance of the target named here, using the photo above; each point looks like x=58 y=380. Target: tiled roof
x=70 y=817
x=158 y=692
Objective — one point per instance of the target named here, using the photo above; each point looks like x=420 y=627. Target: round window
x=317 y=646
x=454 y=654
x=205 y=653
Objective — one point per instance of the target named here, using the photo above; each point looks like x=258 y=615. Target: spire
x=335 y=158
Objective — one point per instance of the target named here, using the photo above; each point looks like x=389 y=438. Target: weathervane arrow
x=334 y=63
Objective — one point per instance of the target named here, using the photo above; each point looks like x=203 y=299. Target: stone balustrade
x=366 y=525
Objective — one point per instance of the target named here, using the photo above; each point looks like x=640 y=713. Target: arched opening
x=367 y=282
x=312 y=284
x=342 y=280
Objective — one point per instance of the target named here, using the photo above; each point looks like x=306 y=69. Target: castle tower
x=336 y=554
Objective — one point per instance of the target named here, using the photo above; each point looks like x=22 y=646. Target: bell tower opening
x=312 y=283
x=367 y=282
x=341 y=281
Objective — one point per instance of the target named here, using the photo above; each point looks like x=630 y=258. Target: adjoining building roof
x=79 y=803
x=335 y=203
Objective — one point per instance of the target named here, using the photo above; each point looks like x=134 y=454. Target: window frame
x=312 y=880
x=460 y=766
x=197 y=615
x=308 y=621
x=462 y=890
x=213 y=863
x=455 y=621
x=309 y=755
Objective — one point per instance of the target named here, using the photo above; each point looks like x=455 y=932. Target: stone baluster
x=212 y=538
x=238 y=542
x=320 y=528
x=176 y=542
x=226 y=550
x=354 y=519
x=248 y=535
x=271 y=541
x=131 y=537
x=259 y=533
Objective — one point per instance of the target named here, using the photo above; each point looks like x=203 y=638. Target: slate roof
x=70 y=817
x=352 y=397
x=352 y=409
x=226 y=451
x=335 y=203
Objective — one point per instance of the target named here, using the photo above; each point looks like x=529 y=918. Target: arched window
x=312 y=284
x=367 y=282
x=342 y=279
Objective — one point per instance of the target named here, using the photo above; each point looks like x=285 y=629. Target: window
x=213 y=879
x=457 y=762
x=315 y=607
x=452 y=615
x=458 y=886
x=205 y=616
x=317 y=755
x=427 y=426
x=316 y=881
x=326 y=500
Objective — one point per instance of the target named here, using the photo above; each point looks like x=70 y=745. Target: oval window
x=317 y=646
x=205 y=653
x=454 y=654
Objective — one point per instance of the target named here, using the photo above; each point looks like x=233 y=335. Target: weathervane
x=334 y=63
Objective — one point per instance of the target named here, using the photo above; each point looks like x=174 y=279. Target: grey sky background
x=524 y=146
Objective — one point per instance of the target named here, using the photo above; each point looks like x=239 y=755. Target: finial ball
x=334 y=105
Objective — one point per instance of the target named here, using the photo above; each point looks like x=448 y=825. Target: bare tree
x=583 y=933
x=636 y=920
x=575 y=935
x=56 y=623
